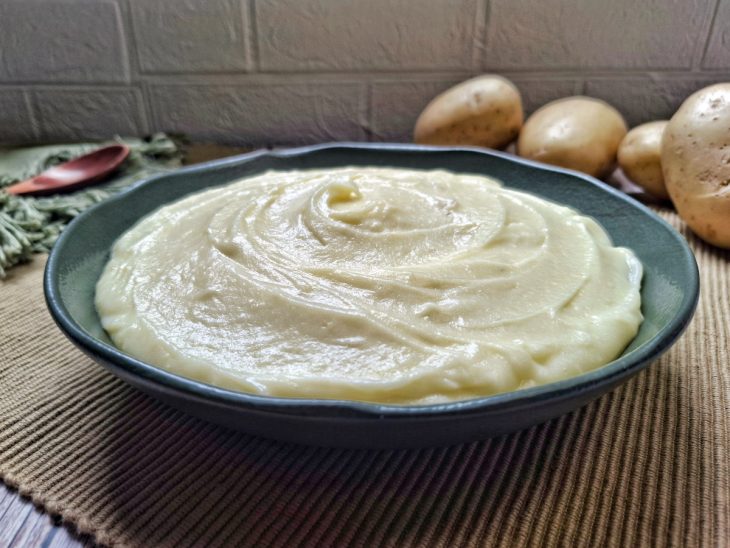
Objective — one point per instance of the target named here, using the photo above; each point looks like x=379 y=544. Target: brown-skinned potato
x=485 y=111
x=639 y=156
x=696 y=163
x=580 y=133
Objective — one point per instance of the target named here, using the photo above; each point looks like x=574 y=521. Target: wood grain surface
x=24 y=525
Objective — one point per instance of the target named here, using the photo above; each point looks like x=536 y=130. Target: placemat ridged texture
x=649 y=464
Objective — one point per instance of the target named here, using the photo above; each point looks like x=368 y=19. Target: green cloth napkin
x=31 y=225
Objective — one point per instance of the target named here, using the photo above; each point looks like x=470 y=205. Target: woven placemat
x=648 y=464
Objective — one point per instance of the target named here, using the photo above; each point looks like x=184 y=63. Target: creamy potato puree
x=373 y=284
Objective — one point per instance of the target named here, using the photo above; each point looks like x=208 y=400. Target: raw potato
x=579 y=133
x=696 y=163
x=484 y=111
x=639 y=156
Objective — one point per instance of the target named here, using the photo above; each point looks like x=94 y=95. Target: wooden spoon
x=74 y=174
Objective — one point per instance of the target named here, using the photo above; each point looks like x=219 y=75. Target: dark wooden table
x=23 y=525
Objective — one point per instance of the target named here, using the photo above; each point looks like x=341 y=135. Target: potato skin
x=578 y=132
x=639 y=156
x=484 y=111
x=696 y=163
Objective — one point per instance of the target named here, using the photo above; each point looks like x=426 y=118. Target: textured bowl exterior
x=670 y=290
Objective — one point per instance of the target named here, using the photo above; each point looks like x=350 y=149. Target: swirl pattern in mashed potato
x=373 y=284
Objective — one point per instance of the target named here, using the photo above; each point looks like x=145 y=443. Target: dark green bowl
x=669 y=296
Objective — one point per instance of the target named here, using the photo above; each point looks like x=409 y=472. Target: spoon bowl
x=74 y=174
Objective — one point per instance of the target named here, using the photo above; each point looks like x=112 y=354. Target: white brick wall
x=16 y=117
x=718 y=48
x=618 y=34
x=647 y=97
x=263 y=72
x=282 y=113
x=75 y=113
x=198 y=36
x=356 y=35
x=57 y=41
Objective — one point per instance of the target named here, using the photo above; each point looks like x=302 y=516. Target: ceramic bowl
x=669 y=295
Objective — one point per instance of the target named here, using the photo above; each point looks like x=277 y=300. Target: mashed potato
x=372 y=284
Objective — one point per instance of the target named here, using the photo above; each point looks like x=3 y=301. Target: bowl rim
x=518 y=399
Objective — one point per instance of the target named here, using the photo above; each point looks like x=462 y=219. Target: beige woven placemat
x=648 y=464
